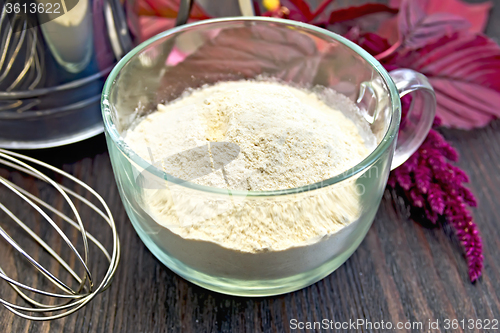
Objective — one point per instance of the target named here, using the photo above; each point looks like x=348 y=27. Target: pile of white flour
x=271 y=136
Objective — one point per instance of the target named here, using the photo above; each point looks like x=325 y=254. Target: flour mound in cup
x=275 y=137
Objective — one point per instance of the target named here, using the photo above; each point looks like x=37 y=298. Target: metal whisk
x=68 y=299
x=21 y=54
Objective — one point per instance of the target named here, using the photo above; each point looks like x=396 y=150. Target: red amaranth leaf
x=167 y=9
x=463 y=69
x=299 y=10
x=417 y=28
x=321 y=8
x=372 y=43
x=475 y=13
x=351 y=13
x=281 y=52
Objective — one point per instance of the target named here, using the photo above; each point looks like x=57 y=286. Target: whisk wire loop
x=73 y=300
x=48 y=219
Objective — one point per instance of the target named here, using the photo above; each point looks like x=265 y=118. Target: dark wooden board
x=402 y=271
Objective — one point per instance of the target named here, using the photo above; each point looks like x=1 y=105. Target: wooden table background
x=402 y=271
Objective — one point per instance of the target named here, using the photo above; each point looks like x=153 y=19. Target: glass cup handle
x=418 y=122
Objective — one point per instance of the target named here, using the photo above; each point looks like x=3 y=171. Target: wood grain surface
x=403 y=271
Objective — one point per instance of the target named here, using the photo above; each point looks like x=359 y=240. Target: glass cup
x=162 y=68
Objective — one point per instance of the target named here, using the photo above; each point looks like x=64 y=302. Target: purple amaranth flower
x=432 y=183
